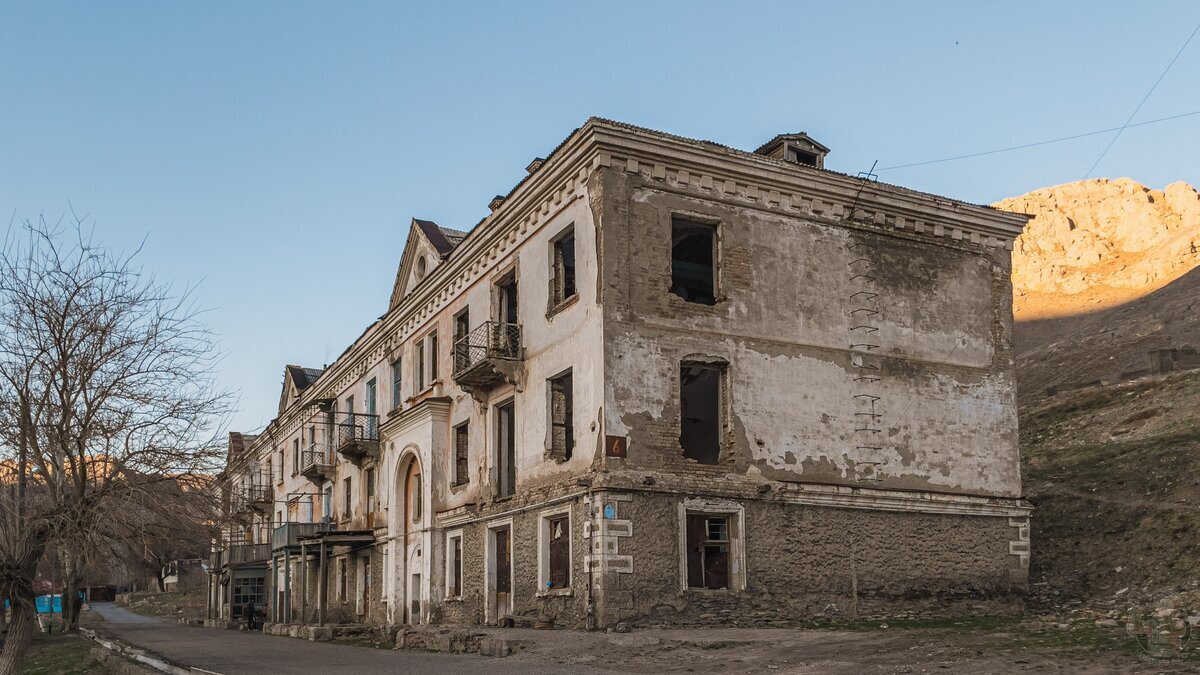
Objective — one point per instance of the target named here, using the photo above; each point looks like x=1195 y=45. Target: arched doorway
x=411 y=577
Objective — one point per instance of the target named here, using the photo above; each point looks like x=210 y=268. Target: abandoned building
x=664 y=381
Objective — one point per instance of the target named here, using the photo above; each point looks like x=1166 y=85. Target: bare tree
x=106 y=391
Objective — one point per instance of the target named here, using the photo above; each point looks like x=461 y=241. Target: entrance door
x=503 y=573
x=414 y=594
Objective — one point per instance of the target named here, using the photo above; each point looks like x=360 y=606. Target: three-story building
x=664 y=381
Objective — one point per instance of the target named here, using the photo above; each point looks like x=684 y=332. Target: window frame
x=460 y=478
x=724 y=404
x=347 y=498
x=454 y=535
x=558 y=298
x=702 y=221
x=569 y=424
x=736 y=513
x=426 y=357
x=397 y=375
x=545 y=518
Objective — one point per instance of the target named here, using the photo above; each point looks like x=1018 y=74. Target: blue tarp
x=49 y=604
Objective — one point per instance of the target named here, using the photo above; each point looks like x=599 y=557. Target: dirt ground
x=997 y=645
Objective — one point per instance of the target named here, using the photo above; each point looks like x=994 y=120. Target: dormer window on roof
x=797 y=148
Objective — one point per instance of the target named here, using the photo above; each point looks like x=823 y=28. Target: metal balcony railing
x=491 y=340
x=316 y=456
x=357 y=432
x=260 y=494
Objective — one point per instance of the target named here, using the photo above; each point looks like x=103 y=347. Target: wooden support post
x=287 y=587
x=321 y=581
x=303 y=583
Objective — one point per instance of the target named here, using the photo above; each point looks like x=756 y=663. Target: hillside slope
x=1105 y=276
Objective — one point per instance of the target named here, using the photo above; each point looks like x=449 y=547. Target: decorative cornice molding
x=675 y=163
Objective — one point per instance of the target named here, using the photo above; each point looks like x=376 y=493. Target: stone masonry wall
x=806 y=562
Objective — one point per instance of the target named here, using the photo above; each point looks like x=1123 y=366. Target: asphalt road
x=232 y=652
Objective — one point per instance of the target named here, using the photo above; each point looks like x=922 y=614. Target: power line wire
x=1033 y=145
x=1143 y=102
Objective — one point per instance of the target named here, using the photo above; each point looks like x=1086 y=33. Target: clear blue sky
x=274 y=152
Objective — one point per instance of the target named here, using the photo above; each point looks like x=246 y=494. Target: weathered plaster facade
x=867 y=426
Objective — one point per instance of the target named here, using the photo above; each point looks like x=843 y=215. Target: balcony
x=260 y=497
x=489 y=355
x=316 y=463
x=357 y=436
x=239 y=554
x=288 y=535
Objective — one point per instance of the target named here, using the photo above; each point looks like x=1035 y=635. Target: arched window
x=415 y=507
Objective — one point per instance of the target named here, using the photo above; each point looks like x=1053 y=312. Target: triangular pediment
x=426 y=247
x=295 y=380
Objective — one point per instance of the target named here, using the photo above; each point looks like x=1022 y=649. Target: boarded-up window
x=693 y=261
x=559 y=553
x=707 y=551
x=562 y=283
x=700 y=411
x=562 y=417
x=462 y=472
x=454 y=588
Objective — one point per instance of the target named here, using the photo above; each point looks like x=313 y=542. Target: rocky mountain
x=1101 y=241
x=1105 y=277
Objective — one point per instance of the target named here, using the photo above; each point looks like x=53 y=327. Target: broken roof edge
x=788 y=166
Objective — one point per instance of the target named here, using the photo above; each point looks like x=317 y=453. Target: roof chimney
x=797 y=148
x=535 y=164
x=496 y=202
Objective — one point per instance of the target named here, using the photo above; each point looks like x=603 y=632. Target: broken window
x=562 y=417
x=562 y=282
x=506 y=299
x=558 y=552
x=693 y=261
x=707 y=551
x=700 y=411
x=370 y=490
x=342 y=583
x=462 y=347
x=295 y=455
x=462 y=474
x=454 y=566
x=346 y=498
x=801 y=157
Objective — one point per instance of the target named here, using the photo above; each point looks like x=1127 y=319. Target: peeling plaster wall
x=783 y=322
